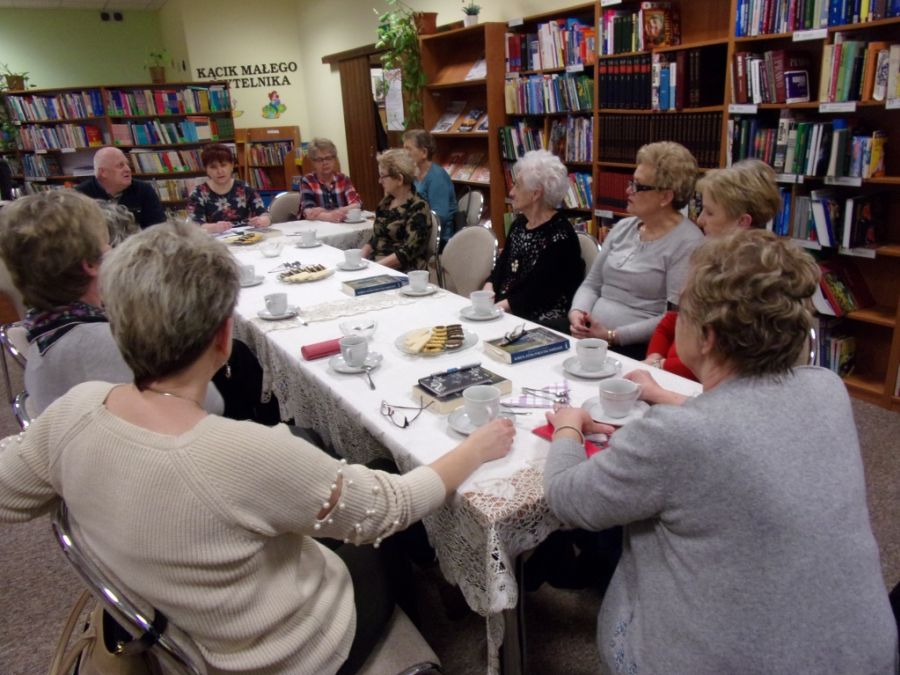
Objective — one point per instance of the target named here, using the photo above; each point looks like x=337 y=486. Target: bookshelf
x=265 y=157
x=161 y=127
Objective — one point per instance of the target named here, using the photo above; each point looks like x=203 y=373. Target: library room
x=449 y=336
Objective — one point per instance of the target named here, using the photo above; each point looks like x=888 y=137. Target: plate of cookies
x=245 y=239
x=435 y=340
x=301 y=274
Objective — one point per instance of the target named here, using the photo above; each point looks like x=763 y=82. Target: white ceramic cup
x=618 y=395
x=591 y=353
x=418 y=280
x=247 y=274
x=482 y=302
x=271 y=249
x=308 y=237
x=352 y=257
x=482 y=403
x=276 y=303
x=353 y=215
x=354 y=349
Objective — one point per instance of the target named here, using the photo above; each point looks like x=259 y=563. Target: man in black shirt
x=112 y=181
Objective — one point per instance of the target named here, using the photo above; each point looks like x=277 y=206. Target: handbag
x=96 y=651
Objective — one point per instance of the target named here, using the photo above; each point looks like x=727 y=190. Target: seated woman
x=540 y=267
x=326 y=194
x=53 y=244
x=745 y=508
x=432 y=182
x=402 y=219
x=643 y=262
x=226 y=550
x=738 y=198
x=223 y=201
x=120 y=222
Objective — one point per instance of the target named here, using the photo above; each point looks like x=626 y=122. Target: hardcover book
x=450 y=115
x=535 y=342
x=451 y=386
x=376 y=284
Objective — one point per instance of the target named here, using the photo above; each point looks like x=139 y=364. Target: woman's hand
x=259 y=221
x=578 y=418
x=493 y=440
x=579 y=323
x=217 y=227
x=651 y=391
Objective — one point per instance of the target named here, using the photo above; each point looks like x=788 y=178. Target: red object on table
x=546 y=431
x=319 y=350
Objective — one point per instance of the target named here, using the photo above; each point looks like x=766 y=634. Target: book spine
x=374 y=289
x=534 y=353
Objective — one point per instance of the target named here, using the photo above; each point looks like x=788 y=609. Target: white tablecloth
x=339 y=235
x=499 y=512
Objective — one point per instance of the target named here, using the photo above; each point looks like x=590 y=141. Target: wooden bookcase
x=162 y=128
x=266 y=156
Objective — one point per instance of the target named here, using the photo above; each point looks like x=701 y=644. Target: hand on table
x=651 y=391
x=217 y=227
x=259 y=221
x=578 y=418
x=493 y=440
x=583 y=326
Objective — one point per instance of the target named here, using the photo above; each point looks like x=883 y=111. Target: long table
x=339 y=235
x=499 y=512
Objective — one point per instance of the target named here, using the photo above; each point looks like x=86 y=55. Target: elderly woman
x=540 y=267
x=120 y=222
x=53 y=243
x=643 y=262
x=226 y=549
x=402 y=220
x=326 y=194
x=747 y=536
x=223 y=201
x=432 y=182
x=741 y=197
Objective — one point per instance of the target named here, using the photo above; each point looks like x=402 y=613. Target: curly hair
x=674 y=169
x=753 y=291
x=543 y=169
x=747 y=187
x=397 y=163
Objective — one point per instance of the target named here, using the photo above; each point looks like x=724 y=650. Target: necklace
x=171 y=395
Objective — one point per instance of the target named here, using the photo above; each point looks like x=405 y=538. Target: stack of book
x=556 y=44
x=771 y=77
x=269 y=154
x=572 y=138
x=835 y=348
x=75 y=105
x=164 y=161
x=690 y=78
x=624 y=134
x=855 y=70
x=761 y=17
x=444 y=390
x=548 y=93
x=625 y=82
x=176 y=189
x=61 y=136
x=535 y=342
x=654 y=24
x=579 y=194
x=521 y=137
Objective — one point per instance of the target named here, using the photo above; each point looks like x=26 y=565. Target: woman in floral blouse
x=223 y=201
x=402 y=219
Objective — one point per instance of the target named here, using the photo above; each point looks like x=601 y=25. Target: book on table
x=538 y=341
x=444 y=390
x=375 y=284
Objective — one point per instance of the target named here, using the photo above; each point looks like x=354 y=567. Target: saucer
x=268 y=316
x=347 y=268
x=595 y=408
x=354 y=222
x=469 y=313
x=302 y=245
x=337 y=363
x=460 y=423
x=573 y=367
x=256 y=282
x=429 y=289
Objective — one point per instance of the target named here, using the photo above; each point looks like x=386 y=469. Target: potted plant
x=470 y=10
x=14 y=81
x=156 y=64
x=398 y=35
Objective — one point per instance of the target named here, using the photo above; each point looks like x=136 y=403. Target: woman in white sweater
x=210 y=519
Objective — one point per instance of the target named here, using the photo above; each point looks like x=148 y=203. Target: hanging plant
x=398 y=36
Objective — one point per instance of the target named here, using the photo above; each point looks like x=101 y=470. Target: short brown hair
x=674 y=169
x=216 y=152
x=422 y=139
x=753 y=290
x=45 y=239
x=746 y=187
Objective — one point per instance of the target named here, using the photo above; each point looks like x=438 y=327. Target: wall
x=64 y=48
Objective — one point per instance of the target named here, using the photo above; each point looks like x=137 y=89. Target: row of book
x=580 y=192
x=690 y=78
x=542 y=94
x=771 y=77
x=187 y=101
x=165 y=161
x=762 y=17
x=42 y=107
x=259 y=179
x=556 y=44
x=829 y=219
x=611 y=190
x=624 y=82
x=175 y=189
x=41 y=166
x=160 y=132
x=622 y=135
x=269 y=154
x=521 y=137
x=457 y=117
x=572 y=138
x=654 y=24
x=471 y=167
x=843 y=288
x=855 y=70
x=59 y=137
x=835 y=348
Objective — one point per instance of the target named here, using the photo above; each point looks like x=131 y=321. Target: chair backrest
x=471 y=205
x=21 y=410
x=589 y=250
x=7 y=286
x=431 y=252
x=171 y=645
x=14 y=342
x=284 y=207
x=468 y=259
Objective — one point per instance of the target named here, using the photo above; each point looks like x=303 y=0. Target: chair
x=434 y=245
x=166 y=642
x=14 y=341
x=9 y=288
x=285 y=207
x=589 y=250
x=401 y=650
x=468 y=259
x=21 y=410
x=471 y=205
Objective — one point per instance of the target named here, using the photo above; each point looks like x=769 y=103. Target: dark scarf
x=46 y=327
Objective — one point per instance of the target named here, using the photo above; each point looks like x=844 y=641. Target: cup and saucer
x=355 y=221
x=339 y=365
x=598 y=413
x=417 y=293
x=255 y=281
x=472 y=314
x=350 y=267
x=574 y=367
x=288 y=313
x=277 y=308
x=461 y=423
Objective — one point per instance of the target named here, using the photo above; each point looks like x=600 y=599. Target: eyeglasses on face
x=382 y=176
x=326 y=158
x=390 y=411
x=635 y=186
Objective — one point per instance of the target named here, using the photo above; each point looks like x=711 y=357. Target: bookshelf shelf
x=889 y=250
x=164 y=116
x=764 y=37
x=880 y=316
x=267 y=157
x=473 y=183
x=604 y=57
x=551 y=71
x=684 y=46
x=174 y=174
x=72 y=120
x=460 y=134
x=865 y=387
x=632 y=111
x=877 y=23
x=454 y=84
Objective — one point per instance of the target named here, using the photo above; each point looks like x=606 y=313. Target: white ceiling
x=109 y=5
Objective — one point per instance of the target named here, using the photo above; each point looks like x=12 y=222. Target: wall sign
x=251 y=75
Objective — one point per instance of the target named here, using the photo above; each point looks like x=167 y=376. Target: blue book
x=376 y=284
x=535 y=342
x=664 y=88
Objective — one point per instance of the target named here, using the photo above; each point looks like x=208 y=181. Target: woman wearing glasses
x=644 y=260
x=326 y=194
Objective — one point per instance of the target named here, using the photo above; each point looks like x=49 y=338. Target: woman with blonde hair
x=744 y=509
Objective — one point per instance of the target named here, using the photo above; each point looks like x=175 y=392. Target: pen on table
x=468 y=366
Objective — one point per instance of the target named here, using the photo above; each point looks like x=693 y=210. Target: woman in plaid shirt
x=326 y=194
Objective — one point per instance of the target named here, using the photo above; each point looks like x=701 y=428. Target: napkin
x=319 y=350
x=531 y=401
x=590 y=448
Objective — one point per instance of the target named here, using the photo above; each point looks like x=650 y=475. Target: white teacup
x=353 y=215
x=308 y=237
x=352 y=257
x=591 y=353
x=418 y=280
x=276 y=303
x=482 y=403
x=354 y=349
x=247 y=274
x=482 y=302
x=271 y=249
x=618 y=396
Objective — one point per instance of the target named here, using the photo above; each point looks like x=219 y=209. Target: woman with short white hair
x=540 y=267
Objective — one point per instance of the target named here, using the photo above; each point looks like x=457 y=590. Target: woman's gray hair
x=319 y=145
x=422 y=139
x=119 y=221
x=542 y=169
x=397 y=163
x=167 y=290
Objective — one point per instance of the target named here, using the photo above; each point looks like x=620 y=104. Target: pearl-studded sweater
x=213 y=526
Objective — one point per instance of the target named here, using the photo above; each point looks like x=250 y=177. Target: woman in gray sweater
x=747 y=543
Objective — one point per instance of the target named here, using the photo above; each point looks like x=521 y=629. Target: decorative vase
x=15 y=82
x=426 y=22
x=157 y=74
x=470 y=20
